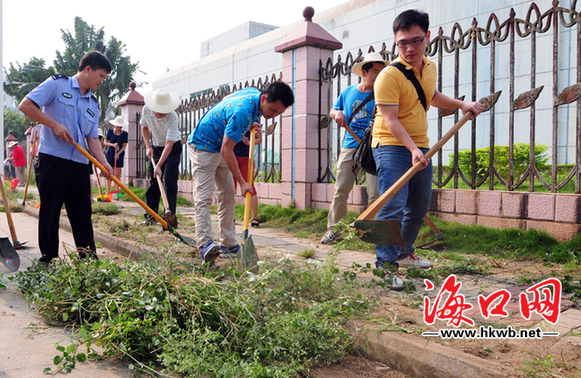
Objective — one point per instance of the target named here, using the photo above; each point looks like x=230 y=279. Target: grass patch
x=170 y=316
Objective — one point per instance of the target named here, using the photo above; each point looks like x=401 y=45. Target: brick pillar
x=303 y=49
x=131 y=105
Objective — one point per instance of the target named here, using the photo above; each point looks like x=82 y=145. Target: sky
x=157 y=34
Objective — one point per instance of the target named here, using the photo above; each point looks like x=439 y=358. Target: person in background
x=116 y=143
x=18 y=159
x=242 y=151
x=211 y=153
x=69 y=114
x=161 y=135
x=349 y=100
x=400 y=140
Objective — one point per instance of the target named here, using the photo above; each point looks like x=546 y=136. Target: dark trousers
x=171 y=172
x=62 y=181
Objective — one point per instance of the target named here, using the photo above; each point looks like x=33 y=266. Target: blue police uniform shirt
x=232 y=117
x=348 y=101
x=61 y=98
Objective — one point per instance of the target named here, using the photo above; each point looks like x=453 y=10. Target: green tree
x=87 y=38
x=15 y=121
x=22 y=79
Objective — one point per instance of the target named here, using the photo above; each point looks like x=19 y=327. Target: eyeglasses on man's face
x=414 y=42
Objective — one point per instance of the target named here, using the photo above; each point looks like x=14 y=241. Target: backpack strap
x=367 y=99
x=409 y=74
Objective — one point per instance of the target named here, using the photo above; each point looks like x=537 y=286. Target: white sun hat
x=119 y=121
x=162 y=101
x=371 y=57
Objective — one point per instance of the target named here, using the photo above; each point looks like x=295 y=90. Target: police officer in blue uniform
x=69 y=113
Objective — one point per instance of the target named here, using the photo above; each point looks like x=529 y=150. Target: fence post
x=303 y=48
x=131 y=105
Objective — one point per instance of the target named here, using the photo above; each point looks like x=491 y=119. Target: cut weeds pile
x=168 y=317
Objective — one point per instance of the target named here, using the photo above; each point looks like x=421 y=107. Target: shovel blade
x=386 y=231
x=8 y=255
x=248 y=256
x=189 y=241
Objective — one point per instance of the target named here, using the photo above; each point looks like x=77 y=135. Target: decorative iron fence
x=267 y=153
x=540 y=87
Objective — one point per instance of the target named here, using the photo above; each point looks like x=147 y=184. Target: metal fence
x=535 y=60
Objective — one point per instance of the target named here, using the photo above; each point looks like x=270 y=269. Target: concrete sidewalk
x=27 y=346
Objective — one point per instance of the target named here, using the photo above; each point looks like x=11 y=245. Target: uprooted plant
x=167 y=315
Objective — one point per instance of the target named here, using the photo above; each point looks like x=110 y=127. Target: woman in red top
x=19 y=161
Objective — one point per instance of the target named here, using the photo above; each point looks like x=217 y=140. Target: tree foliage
x=86 y=38
x=14 y=121
x=20 y=80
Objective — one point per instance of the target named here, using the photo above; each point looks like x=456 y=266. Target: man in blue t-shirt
x=214 y=165
x=349 y=100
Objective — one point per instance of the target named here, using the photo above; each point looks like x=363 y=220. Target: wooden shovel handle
x=161 y=187
x=250 y=181
x=8 y=214
x=350 y=130
x=123 y=187
x=374 y=208
x=29 y=169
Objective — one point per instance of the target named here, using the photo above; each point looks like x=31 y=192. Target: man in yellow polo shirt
x=400 y=134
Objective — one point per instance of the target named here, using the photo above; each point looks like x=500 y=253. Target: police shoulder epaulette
x=97 y=101
x=59 y=76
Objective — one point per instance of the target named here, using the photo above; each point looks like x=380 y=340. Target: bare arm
x=32 y=111
x=442 y=101
x=164 y=154
x=94 y=145
x=338 y=116
x=146 y=134
x=227 y=152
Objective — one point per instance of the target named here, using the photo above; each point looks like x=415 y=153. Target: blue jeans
x=409 y=205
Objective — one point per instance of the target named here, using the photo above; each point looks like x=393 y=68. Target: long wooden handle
x=250 y=182
x=8 y=214
x=350 y=130
x=29 y=169
x=120 y=184
x=161 y=187
x=374 y=208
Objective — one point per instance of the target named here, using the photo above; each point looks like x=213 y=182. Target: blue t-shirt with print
x=231 y=117
x=348 y=101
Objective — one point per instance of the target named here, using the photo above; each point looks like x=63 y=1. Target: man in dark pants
x=70 y=114
x=159 y=122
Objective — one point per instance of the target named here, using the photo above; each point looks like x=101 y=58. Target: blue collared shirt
x=232 y=117
x=62 y=101
x=348 y=101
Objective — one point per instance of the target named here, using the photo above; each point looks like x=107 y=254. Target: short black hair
x=369 y=65
x=410 y=18
x=96 y=60
x=279 y=90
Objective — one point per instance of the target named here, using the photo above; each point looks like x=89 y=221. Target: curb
x=408 y=354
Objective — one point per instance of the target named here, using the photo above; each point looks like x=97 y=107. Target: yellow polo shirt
x=393 y=88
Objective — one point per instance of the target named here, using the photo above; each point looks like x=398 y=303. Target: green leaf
x=65 y=316
x=57 y=360
x=81 y=357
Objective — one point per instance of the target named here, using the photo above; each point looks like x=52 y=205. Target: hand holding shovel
x=248 y=255
x=170 y=218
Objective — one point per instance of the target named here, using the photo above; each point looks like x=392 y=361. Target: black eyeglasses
x=413 y=42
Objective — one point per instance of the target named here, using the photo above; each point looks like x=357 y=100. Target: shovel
x=248 y=255
x=389 y=231
x=15 y=241
x=8 y=255
x=170 y=218
x=433 y=227
x=188 y=241
x=23 y=200
x=101 y=197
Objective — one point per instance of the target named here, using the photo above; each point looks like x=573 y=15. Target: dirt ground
x=404 y=312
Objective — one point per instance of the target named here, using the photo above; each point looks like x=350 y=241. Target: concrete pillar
x=131 y=105
x=303 y=49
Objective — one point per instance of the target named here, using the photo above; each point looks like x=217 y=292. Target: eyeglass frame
x=412 y=43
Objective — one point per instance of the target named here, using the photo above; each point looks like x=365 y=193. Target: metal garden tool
x=389 y=231
x=23 y=200
x=188 y=241
x=15 y=241
x=428 y=221
x=248 y=255
x=8 y=255
x=170 y=218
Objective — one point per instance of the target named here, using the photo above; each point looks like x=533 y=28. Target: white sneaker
x=394 y=280
x=414 y=261
x=331 y=238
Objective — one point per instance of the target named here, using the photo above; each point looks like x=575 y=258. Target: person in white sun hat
x=349 y=101
x=116 y=142
x=161 y=135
